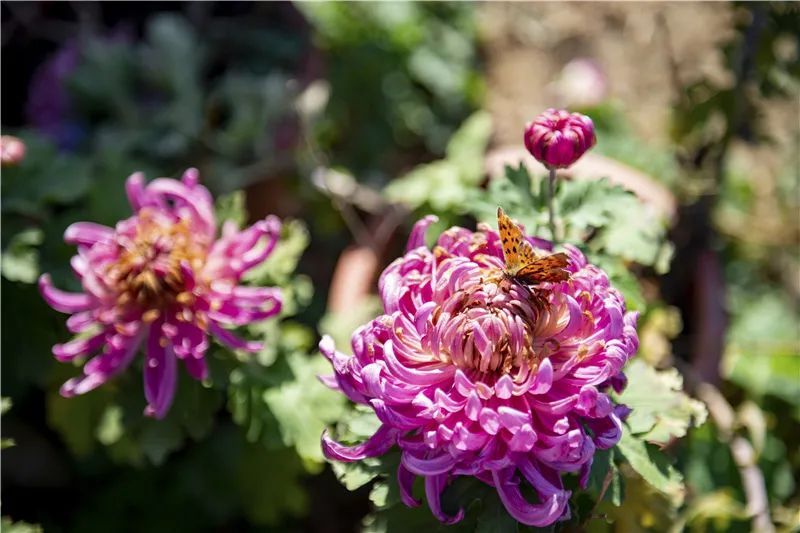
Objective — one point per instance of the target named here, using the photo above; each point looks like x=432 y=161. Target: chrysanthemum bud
x=558 y=138
x=12 y=150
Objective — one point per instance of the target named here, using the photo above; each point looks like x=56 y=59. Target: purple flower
x=473 y=374
x=49 y=106
x=558 y=138
x=163 y=279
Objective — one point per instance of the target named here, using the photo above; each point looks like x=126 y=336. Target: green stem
x=550 y=194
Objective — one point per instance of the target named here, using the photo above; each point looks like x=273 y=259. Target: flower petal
x=377 y=444
x=543 y=514
x=160 y=373
x=434 y=485
x=65 y=302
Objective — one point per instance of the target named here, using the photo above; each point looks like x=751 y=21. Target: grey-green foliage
x=226 y=122
x=402 y=74
x=444 y=185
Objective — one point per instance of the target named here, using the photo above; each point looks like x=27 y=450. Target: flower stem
x=550 y=194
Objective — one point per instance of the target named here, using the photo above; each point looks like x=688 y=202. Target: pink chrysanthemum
x=162 y=278
x=473 y=374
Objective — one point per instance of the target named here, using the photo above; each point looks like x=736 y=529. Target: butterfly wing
x=517 y=251
x=547 y=268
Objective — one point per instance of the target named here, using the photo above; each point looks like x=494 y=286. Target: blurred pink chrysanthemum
x=12 y=150
x=472 y=373
x=163 y=279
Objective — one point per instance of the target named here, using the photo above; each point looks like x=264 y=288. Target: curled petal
x=161 y=189
x=232 y=341
x=64 y=302
x=101 y=368
x=417 y=237
x=543 y=514
x=432 y=466
x=377 y=444
x=329 y=381
x=434 y=485
x=405 y=480
x=80 y=322
x=84 y=346
x=134 y=187
x=87 y=234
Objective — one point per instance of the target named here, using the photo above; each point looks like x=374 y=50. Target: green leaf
x=468 y=145
x=159 y=439
x=8 y=526
x=76 y=419
x=340 y=326
x=44 y=177
x=386 y=493
x=231 y=207
x=618 y=223
x=303 y=406
x=445 y=185
x=110 y=429
x=357 y=474
x=660 y=411
x=761 y=355
x=21 y=258
x=5 y=405
x=437 y=184
x=602 y=466
x=652 y=465
x=269 y=483
x=493 y=517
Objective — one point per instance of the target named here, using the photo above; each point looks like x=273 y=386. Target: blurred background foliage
x=356 y=119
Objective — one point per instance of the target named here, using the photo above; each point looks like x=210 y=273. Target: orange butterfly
x=522 y=264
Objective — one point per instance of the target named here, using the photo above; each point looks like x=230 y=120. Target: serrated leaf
x=660 y=410
x=303 y=406
x=356 y=474
x=653 y=466
x=621 y=225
